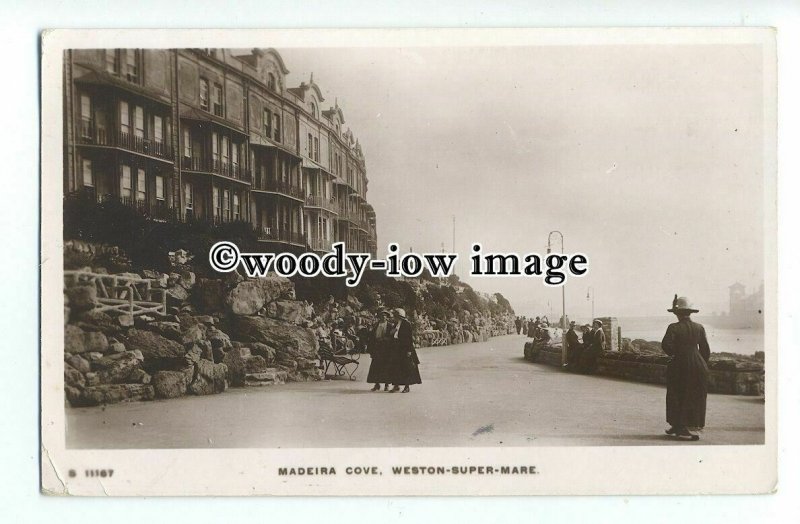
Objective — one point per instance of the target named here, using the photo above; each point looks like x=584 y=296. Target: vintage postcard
x=409 y=262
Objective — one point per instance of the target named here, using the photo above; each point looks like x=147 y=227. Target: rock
x=209 y=378
x=247 y=297
x=235 y=360
x=170 y=330
x=153 y=345
x=116 y=347
x=290 y=311
x=82 y=298
x=79 y=363
x=193 y=334
x=263 y=350
x=94 y=320
x=187 y=280
x=255 y=364
x=206 y=319
x=92 y=379
x=169 y=384
x=178 y=293
x=77 y=340
x=290 y=341
x=219 y=339
x=139 y=376
x=73 y=394
x=93 y=355
x=267 y=377
x=112 y=393
x=117 y=369
x=73 y=377
x=194 y=355
x=125 y=320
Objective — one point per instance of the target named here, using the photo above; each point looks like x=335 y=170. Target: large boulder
x=290 y=341
x=79 y=363
x=152 y=345
x=209 y=294
x=235 y=360
x=267 y=377
x=73 y=377
x=170 y=384
x=209 y=378
x=112 y=393
x=77 y=340
x=117 y=368
x=82 y=298
x=263 y=350
x=290 y=311
x=249 y=296
x=170 y=330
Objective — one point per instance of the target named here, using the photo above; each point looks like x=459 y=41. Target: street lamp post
x=590 y=291
x=563 y=299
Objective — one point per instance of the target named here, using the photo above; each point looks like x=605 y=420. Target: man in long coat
x=406 y=362
x=687 y=371
x=597 y=344
x=379 y=352
x=573 y=346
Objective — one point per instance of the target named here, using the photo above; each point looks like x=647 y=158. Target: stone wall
x=727 y=374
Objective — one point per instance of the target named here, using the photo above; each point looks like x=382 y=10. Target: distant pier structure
x=745 y=311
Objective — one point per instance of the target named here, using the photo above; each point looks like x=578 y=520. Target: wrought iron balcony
x=328 y=204
x=92 y=134
x=217 y=166
x=272 y=234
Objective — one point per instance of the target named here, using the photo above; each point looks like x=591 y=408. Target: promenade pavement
x=481 y=394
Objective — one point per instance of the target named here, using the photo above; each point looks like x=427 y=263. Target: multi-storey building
x=208 y=134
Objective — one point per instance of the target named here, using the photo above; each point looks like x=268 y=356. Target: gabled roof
x=335 y=110
x=300 y=90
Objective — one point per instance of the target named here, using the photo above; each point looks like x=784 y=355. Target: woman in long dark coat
x=406 y=362
x=687 y=372
x=379 y=352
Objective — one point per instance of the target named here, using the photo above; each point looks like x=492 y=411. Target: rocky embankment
x=192 y=350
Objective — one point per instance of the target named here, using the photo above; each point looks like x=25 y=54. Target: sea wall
x=728 y=374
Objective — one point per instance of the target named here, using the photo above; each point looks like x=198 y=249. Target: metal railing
x=216 y=165
x=329 y=204
x=272 y=234
x=279 y=186
x=92 y=134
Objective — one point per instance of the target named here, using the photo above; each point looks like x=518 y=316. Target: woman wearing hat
x=378 y=347
x=406 y=362
x=687 y=372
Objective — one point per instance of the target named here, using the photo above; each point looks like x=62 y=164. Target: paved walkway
x=480 y=394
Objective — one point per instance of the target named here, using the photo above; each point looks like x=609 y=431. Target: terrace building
x=217 y=136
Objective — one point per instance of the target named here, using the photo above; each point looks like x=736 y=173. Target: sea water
x=741 y=341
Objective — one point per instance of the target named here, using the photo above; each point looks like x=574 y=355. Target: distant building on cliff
x=744 y=311
x=217 y=136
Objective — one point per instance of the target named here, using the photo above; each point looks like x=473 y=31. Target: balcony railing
x=216 y=165
x=158 y=210
x=279 y=186
x=272 y=234
x=91 y=133
x=329 y=204
x=320 y=244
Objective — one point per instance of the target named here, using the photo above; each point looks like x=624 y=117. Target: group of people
x=583 y=352
x=391 y=346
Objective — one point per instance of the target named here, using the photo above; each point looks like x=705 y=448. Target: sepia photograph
x=606 y=201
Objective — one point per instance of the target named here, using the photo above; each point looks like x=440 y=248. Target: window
x=226 y=211
x=215 y=148
x=125 y=182
x=88 y=177
x=271 y=84
x=158 y=129
x=112 y=61
x=217 y=99
x=316 y=149
x=235 y=158
x=124 y=118
x=310 y=146
x=236 y=207
x=86 y=116
x=267 y=122
x=313 y=109
x=159 y=188
x=225 y=153
x=217 y=202
x=204 y=94
x=187 y=144
x=132 y=65
x=277 y=127
x=141 y=185
x=138 y=119
x=187 y=191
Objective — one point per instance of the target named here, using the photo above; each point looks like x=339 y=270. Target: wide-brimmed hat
x=682 y=304
x=400 y=312
x=571 y=322
x=597 y=321
x=383 y=312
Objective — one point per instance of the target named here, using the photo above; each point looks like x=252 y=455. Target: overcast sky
x=647 y=158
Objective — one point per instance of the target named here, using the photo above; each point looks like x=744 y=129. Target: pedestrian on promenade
x=406 y=361
x=687 y=371
x=378 y=348
x=574 y=347
x=524 y=325
x=597 y=344
x=533 y=328
x=518 y=324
